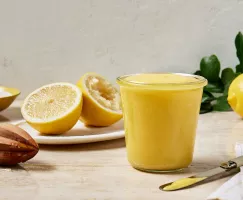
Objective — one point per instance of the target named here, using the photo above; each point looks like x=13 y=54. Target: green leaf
x=214 y=87
x=205 y=108
x=226 y=88
x=221 y=104
x=227 y=85
x=227 y=75
x=237 y=74
x=239 y=69
x=210 y=68
x=207 y=97
x=198 y=72
x=239 y=48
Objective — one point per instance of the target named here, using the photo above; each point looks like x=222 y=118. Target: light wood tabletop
x=101 y=170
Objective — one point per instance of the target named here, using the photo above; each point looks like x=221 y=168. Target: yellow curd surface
x=185 y=182
x=160 y=114
x=161 y=78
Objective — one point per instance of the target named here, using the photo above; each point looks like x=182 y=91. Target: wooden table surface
x=101 y=170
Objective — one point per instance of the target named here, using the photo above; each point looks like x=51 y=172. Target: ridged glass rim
x=200 y=80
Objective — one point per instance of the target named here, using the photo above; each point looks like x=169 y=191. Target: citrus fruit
x=101 y=101
x=53 y=108
x=235 y=95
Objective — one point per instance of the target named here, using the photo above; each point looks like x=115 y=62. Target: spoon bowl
x=6 y=101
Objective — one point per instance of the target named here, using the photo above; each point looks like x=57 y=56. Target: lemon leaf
x=214 y=87
x=239 y=69
x=207 y=97
x=239 y=48
x=205 y=108
x=210 y=68
x=227 y=76
x=221 y=104
x=198 y=72
x=226 y=89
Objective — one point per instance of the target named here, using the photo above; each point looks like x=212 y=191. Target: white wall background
x=58 y=40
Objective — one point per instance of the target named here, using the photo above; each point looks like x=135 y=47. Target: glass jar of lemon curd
x=160 y=115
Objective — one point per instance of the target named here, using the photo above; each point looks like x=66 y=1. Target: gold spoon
x=6 y=101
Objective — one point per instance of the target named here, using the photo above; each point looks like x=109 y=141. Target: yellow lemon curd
x=182 y=183
x=160 y=115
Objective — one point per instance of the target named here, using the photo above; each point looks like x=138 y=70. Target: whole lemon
x=235 y=95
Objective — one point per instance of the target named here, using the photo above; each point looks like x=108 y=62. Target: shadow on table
x=197 y=166
x=3 y=119
x=11 y=114
x=30 y=166
x=96 y=146
x=34 y=165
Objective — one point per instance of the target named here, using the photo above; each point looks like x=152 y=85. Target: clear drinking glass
x=160 y=115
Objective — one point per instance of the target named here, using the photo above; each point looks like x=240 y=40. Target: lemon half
x=53 y=108
x=101 y=101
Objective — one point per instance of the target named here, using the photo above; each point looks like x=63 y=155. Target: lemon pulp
x=103 y=92
x=101 y=101
x=50 y=103
x=54 y=108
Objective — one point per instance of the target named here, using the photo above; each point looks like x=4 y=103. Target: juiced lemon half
x=54 y=108
x=101 y=101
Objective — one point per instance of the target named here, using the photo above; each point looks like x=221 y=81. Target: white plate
x=78 y=134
